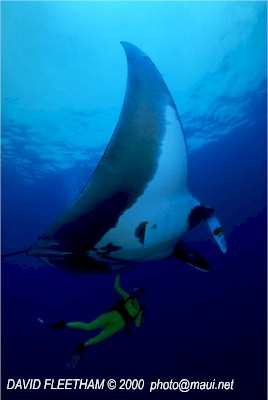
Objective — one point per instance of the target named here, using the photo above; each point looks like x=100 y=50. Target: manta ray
x=136 y=205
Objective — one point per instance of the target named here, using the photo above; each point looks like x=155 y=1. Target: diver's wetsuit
x=110 y=322
x=120 y=307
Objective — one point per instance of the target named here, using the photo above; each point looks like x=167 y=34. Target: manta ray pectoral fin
x=198 y=214
x=217 y=232
x=184 y=253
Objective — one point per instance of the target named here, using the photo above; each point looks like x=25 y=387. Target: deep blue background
x=63 y=84
x=198 y=326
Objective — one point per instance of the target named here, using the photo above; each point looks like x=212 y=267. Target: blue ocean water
x=64 y=77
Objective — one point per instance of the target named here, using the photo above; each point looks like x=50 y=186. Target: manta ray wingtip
x=126 y=46
x=132 y=50
x=125 y=43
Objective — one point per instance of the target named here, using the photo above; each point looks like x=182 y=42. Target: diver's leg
x=105 y=334
x=99 y=322
x=112 y=322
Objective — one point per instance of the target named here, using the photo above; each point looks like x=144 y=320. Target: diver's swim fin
x=56 y=325
x=191 y=257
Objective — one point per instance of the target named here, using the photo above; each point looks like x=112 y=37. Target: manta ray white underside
x=136 y=205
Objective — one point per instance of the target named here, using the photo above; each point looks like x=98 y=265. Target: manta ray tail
x=14 y=253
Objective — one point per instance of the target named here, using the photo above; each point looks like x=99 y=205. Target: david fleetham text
x=49 y=383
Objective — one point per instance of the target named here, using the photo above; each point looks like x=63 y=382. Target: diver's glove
x=80 y=349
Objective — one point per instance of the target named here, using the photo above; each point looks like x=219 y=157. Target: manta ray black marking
x=136 y=205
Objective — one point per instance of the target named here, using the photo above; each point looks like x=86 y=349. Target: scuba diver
x=123 y=313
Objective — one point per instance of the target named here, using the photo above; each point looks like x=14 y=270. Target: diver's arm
x=119 y=290
x=138 y=320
